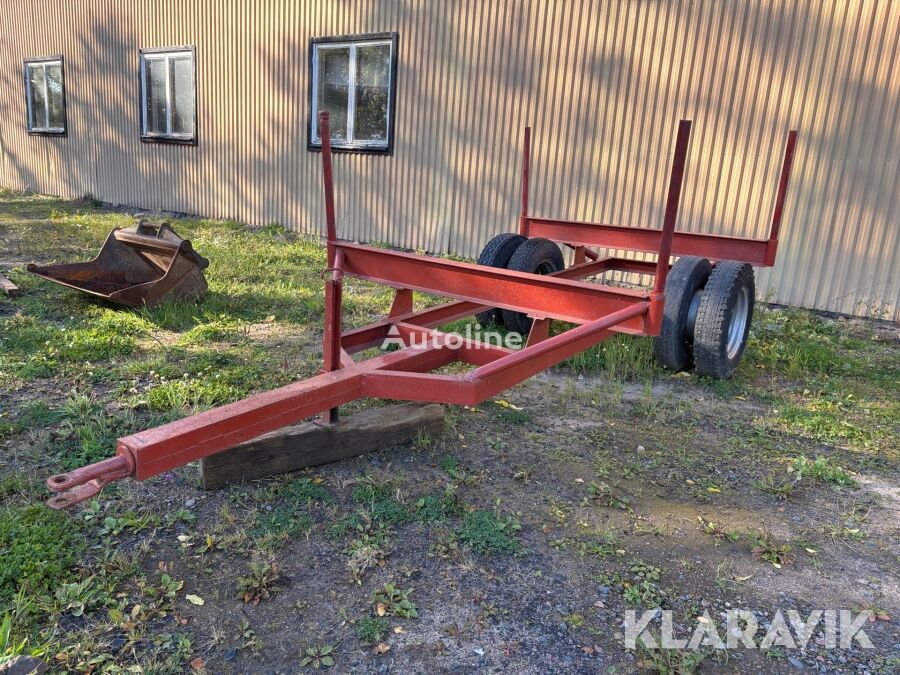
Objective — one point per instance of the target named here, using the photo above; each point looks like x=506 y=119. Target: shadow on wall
x=604 y=105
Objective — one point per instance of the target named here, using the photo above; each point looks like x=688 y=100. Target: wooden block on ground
x=312 y=443
x=8 y=287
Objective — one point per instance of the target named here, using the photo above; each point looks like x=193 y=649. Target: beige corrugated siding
x=602 y=83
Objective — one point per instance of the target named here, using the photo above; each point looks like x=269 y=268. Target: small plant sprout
x=764 y=549
x=392 y=600
x=318 y=656
x=259 y=583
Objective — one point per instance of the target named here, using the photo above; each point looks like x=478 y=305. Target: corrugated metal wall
x=602 y=83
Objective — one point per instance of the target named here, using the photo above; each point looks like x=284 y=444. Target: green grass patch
x=840 y=420
x=439 y=507
x=822 y=469
x=274 y=528
x=39 y=548
x=620 y=357
x=379 y=500
x=488 y=533
x=305 y=491
x=372 y=629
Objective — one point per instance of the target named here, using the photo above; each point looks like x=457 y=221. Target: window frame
x=45 y=131
x=313 y=142
x=169 y=137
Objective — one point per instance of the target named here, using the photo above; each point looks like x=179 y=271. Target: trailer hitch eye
x=86 y=482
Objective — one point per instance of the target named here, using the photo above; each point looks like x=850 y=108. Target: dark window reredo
x=361 y=116
x=168 y=95
x=45 y=95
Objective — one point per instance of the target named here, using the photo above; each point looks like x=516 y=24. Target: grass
x=39 y=548
x=488 y=533
x=830 y=382
x=438 y=507
x=379 y=500
x=822 y=469
x=371 y=629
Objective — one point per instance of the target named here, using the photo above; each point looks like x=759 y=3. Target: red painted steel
x=526 y=163
x=542 y=295
x=405 y=374
x=647 y=240
x=328 y=184
x=359 y=339
x=787 y=164
x=672 y=200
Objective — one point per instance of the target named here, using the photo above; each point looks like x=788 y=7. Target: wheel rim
x=738 y=323
x=546 y=267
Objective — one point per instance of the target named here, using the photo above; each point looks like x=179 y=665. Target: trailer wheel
x=723 y=319
x=537 y=256
x=497 y=253
x=684 y=286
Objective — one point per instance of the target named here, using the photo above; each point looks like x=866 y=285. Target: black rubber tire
x=723 y=319
x=497 y=253
x=674 y=344
x=537 y=256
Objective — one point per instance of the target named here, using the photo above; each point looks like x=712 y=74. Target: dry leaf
x=382 y=648
x=197 y=664
x=381 y=609
x=194 y=599
x=398 y=629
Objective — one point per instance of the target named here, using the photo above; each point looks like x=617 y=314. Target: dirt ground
x=515 y=541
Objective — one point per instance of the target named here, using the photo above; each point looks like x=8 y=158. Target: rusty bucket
x=137 y=266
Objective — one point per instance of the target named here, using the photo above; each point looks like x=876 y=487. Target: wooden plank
x=312 y=443
x=9 y=287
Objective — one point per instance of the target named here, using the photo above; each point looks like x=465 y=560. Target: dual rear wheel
x=520 y=254
x=706 y=316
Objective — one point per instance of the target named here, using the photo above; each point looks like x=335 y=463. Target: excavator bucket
x=137 y=266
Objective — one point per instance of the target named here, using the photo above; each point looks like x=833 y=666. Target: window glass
x=156 y=104
x=182 y=95
x=373 y=67
x=56 y=117
x=353 y=79
x=36 y=93
x=333 y=87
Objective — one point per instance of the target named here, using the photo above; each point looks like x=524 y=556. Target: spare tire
x=536 y=256
x=497 y=253
x=723 y=319
x=674 y=344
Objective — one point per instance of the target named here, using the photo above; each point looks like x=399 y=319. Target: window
x=354 y=79
x=169 y=95
x=45 y=96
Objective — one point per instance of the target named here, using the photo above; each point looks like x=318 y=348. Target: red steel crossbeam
x=359 y=339
x=537 y=295
x=760 y=252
